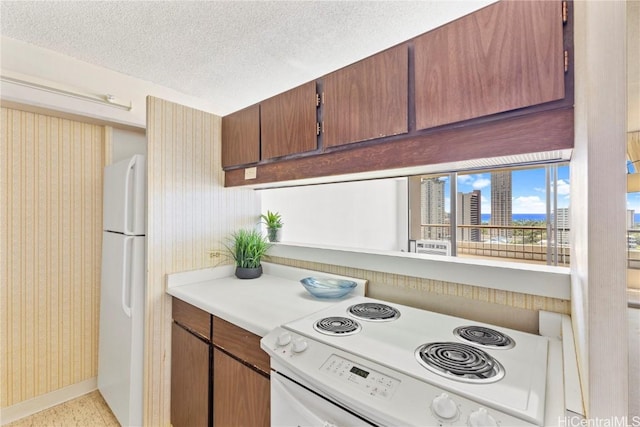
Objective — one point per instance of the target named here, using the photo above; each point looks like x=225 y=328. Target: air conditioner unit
x=433 y=247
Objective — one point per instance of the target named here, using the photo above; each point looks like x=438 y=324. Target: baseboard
x=45 y=401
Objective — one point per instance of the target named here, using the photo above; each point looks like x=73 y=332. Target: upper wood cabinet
x=506 y=56
x=288 y=122
x=368 y=99
x=241 y=137
x=494 y=83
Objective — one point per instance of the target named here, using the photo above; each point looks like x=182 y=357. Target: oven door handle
x=278 y=386
x=280 y=389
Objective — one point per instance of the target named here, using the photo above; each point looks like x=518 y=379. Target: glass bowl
x=327 y=288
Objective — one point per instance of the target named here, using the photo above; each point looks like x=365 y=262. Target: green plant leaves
x=248 y=247
x=272 y=219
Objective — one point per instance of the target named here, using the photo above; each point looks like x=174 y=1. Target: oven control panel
x=367 y=380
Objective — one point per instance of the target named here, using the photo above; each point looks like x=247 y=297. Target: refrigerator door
x=120 y=360
x=125 y=196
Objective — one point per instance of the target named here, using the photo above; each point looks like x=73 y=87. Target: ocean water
x=526 y=217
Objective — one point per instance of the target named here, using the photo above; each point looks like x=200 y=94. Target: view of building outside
x=432 y=207
x=509 y=206
x=632 y=238
x=501 y=206
x=468 y=212
x=562 y=226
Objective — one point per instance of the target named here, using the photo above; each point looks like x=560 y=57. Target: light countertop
x=257 y=305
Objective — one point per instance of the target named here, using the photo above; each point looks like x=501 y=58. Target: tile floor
x=89 y=410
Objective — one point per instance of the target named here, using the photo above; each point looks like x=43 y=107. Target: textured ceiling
x=232 y=53
x=236 y=53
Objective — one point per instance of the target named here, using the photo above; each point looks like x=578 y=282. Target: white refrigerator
x=121 y=340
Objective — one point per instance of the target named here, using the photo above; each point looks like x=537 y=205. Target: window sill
x=540 y=280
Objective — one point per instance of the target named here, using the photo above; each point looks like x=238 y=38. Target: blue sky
x=528 y=189
x=633 y=201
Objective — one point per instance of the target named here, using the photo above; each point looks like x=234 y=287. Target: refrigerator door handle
x=126 y=276
x=129 y=203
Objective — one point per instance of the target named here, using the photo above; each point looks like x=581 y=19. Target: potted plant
x=273 y=221
x=247 y=248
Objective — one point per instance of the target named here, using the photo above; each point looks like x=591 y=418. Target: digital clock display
x=359 y=372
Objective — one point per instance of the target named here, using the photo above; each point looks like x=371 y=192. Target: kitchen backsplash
x=510 y=309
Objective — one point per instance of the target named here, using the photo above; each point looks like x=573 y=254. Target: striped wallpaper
x=189 y=212
x=50 y=232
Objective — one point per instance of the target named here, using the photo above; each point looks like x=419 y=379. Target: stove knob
x=299 y=345
x=481 y=418
x=444 y=407
x=284 y=339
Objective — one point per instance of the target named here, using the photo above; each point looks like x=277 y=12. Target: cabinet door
x=288 y=122
x=506 y=56
x=241 y=137
x=241 y=395
x=368 y=99
x=190 y=364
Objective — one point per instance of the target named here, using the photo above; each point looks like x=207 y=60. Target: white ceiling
x=236 y=53
x=232 y=53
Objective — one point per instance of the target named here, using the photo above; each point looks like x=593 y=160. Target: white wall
x=362 y=214
x=125 y=143
x=598 y=208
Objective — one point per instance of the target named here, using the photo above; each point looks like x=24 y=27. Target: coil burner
x=338 y=326
x=461 y=362
x=484 y=337
x=373 y=312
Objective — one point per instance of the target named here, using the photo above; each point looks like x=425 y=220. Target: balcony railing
x=517 y=243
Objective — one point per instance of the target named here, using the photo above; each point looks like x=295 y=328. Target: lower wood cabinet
x=190 y=363
x=240 y=393
x=219 y=374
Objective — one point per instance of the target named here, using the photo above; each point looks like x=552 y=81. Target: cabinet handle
x=317 y=128
x=565 y=12
x=317 y=100
x=566 y=61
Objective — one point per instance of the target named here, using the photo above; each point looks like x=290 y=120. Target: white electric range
x=368 y=362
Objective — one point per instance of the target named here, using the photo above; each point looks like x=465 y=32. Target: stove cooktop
x=512 y=364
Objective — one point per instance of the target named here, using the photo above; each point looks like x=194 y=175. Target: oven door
x=295 y=405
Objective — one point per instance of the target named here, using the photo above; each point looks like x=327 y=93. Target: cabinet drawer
x=241 y=343
x=192 y=318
